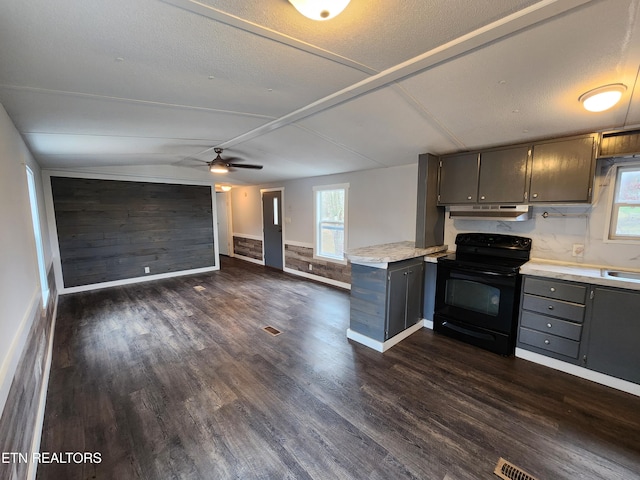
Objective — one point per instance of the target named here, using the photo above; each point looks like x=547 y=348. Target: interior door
x=222 y=212
x=272 y=227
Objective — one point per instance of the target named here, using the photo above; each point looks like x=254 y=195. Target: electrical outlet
x=147 y=270
x=310 y=267
x=578 y=250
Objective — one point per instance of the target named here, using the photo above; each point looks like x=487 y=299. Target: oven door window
x=474 y=296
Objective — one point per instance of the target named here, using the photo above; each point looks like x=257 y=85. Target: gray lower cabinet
x=552 y=313
x=613 y=345
x=593 y=326
x=429 y=297
x=384 y=302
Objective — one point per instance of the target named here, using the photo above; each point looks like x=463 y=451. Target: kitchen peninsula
x=386 y=292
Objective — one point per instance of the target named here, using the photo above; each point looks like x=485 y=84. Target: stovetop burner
x=491 y=249
x=484 y=262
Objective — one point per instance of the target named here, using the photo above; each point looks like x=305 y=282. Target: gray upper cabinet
x=555 y=171
x=458 y=179
x=503 y=176
x=562 y=171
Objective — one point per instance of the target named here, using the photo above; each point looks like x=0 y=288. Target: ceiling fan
x=219 y=165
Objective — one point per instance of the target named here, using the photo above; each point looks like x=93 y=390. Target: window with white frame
x=624 y=223
x=330 y=220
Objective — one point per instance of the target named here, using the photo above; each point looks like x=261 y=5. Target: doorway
x=272 y=228
x=222 y=211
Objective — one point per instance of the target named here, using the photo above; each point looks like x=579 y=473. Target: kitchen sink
x=621 y=275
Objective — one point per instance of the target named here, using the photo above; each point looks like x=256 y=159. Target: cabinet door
x=503 y=176
x=458 y=181
x=415 y=277
x=562 y=171
x=396 y=301
x=614 y=334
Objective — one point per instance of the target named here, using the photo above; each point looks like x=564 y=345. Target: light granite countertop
x=380 y=255
x=592 y=274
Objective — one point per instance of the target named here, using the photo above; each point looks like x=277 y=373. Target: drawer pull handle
x=547 y=342
x=549 y=325
x=469 y=197
x=550 y=307
x=553 y=289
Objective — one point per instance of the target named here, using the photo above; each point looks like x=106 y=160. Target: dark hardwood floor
x=166 y=382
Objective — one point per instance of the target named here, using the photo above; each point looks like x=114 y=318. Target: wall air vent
x=504 y=213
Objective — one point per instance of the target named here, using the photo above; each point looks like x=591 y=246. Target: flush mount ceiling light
x=602 y=98
x=225 y=188
x=319 y=9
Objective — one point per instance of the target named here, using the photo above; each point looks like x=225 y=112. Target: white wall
x=20 y=295
x=553 y=237
x=382 y=206
x=246 y=211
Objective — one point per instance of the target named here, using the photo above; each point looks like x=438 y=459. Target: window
x=330 y=221
x=624 y=221
x=35 y=217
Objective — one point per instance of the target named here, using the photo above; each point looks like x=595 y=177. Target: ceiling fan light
x=602 y=98
x=213 y=168
x=319 y=9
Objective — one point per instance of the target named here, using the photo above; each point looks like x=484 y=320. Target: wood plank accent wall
x=299 y=258
x=110 y=230
x=18 y=420
x=247 y=247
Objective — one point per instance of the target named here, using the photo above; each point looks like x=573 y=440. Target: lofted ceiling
x=121 y=83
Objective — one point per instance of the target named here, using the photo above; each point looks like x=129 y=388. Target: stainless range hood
x=504 y=213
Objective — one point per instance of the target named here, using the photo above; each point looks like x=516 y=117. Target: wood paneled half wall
x=111 y=230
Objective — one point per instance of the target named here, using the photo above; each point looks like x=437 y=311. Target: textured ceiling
x=93 y=84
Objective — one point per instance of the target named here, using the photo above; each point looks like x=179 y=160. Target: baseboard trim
x=386 y=345
x=42 y=402
x=249 y=259
x=129 y=281
x=318 y=278
x=601 y=378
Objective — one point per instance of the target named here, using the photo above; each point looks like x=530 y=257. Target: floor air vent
x=272 y=331
x=509 y=471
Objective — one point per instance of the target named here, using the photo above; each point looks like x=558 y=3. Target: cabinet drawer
x=556 y=308
x=563 y=346
x=554 y=289
x=550 y=325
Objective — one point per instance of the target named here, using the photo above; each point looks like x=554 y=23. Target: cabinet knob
x=549 y=325
x=552 y=289
x=547 y=342
x=550 y=307
x=482 y=197
x=535 y=195
x=469 y=197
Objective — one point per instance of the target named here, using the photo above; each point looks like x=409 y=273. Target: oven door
x=477 y=305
